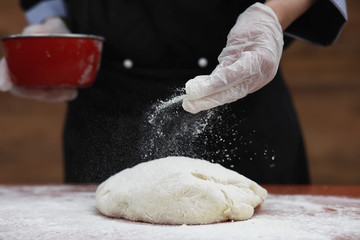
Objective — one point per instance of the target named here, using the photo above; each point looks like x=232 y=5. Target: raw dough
x=179 y=190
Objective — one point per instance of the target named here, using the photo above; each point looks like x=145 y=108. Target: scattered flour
x=68 y=212
x=162 y=105
x=170 y=130
x=216 y=134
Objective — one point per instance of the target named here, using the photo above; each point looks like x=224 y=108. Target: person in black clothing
x=152 y=49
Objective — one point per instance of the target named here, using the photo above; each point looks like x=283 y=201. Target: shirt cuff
x=45 y=9
x=321 y=24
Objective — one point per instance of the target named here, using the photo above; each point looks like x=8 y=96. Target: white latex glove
x=248 y=62
x=5 y=83
x=51 y=25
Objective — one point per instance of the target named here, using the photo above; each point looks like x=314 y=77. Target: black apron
x=119 y=121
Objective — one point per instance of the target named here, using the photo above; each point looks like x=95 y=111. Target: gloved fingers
x=250 y=72
x=230 y=95
x=46 y=94
x=5 y=83
x=52 y=25
x=35 y=29
x=223 y=77
x=56 y=25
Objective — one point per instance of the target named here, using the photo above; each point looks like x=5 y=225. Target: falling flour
x=162 y=105
x=170 y=130
x=68 y=212
x=215 y=135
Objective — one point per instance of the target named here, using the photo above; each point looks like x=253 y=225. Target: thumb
x=5 y=82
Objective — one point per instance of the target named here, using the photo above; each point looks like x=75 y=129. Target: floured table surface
x=68 y=212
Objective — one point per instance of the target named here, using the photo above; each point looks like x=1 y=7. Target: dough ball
x=179 y=190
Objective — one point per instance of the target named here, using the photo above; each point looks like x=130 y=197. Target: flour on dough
x=179 y=190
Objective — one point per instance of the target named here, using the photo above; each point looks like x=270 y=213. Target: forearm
x=288 y=11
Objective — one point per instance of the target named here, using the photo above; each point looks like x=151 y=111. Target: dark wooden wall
x=325 y=83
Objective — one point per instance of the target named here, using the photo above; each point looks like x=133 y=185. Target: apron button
x=127 y=63
x=202 y=62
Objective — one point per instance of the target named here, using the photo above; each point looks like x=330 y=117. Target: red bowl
x=55 y=60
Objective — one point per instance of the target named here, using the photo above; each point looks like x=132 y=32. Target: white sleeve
x=341 y=5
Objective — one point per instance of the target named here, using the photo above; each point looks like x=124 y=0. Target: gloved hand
x=248 y=62
x=52 y=25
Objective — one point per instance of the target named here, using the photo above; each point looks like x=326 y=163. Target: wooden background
x=325 y=83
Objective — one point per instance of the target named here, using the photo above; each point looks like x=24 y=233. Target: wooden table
x=289 y=212
x=326 y=190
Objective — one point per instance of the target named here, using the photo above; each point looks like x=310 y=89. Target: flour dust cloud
x=171 y=131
